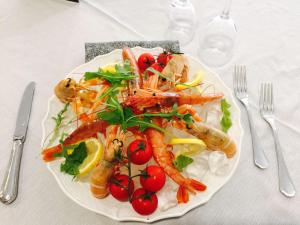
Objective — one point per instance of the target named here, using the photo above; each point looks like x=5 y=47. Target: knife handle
x=9 y=188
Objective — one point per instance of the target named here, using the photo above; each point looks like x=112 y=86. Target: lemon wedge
x=197 y=80
x=109 y=68
x=195 y=146
x=94 y=154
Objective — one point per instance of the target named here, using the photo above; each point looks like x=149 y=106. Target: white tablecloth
x=42 y=40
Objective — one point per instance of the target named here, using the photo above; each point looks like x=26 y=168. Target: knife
x=9 y=188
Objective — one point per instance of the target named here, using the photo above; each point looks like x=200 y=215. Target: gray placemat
x=94 y=49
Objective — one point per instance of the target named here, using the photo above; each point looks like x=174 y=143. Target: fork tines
x=266 y=103
x=239 y=79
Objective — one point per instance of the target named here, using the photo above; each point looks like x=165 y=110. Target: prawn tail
x=197 y=185
x=49 y=154
x=182 y=195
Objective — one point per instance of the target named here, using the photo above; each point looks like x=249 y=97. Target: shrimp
x=83 y=132
x=183 y=109
x=99 y=179
x=66 y=90
x=128 y=55
x=103 y=171
x=78 y=94
x=168 y=99
x=214 y=138
x=164 y=159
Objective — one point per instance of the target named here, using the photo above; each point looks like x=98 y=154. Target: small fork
x=240 y=90
x=266 y=105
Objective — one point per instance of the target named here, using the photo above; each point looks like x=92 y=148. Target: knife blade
x=9 y=188
x=24 y=112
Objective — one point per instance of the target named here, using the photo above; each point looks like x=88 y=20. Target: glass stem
x=226 y=9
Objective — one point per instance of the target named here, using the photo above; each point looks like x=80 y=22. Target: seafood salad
x=134 y=128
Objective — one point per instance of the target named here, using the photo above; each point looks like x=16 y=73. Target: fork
x=266 y=105
x=240 y=90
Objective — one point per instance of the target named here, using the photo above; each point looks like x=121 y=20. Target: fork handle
x=259 y=157
x=286 y=185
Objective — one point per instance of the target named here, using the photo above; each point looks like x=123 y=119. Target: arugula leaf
x=125 y=117
x=74 y=156
x=58 y=122
x=143 y=127
x=188 y=119
x=225 y=122
x=181 y=162
x=123 y=73
x=112 y=91
x=112 y=117
x=59 y=118
x=125 y=69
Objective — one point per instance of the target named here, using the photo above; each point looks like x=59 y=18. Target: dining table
x=43 y=40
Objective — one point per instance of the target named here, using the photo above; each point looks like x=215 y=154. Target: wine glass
x=182 y=21
x=218 y=39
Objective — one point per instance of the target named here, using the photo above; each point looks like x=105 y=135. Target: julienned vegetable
x=125 y=102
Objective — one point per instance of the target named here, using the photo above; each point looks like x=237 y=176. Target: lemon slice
x=94 y=154
x=195 y=146
x=109 y=68
x=199 y=76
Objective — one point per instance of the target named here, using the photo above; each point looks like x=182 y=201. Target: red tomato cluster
x=152 y=179
x=147 y=60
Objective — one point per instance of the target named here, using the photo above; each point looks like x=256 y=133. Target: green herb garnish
x=112 y=91
x=186 y=117
x=116 y=114
x=58 y=122
x=74 y=155
x=125 y=117
x=60 y=117
x=226 y=120
x=181 y=162
x=123 y=73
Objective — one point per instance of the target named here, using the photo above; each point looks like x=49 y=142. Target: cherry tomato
x=157 y=66
x=144 y=202
x=145 y=60
x=140 y=152
x=118 y=187
x=153 y=178
x=164 y=57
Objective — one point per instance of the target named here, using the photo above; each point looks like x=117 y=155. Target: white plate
x=80 y=193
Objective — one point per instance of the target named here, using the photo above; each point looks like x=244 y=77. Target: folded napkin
x=94 y=49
